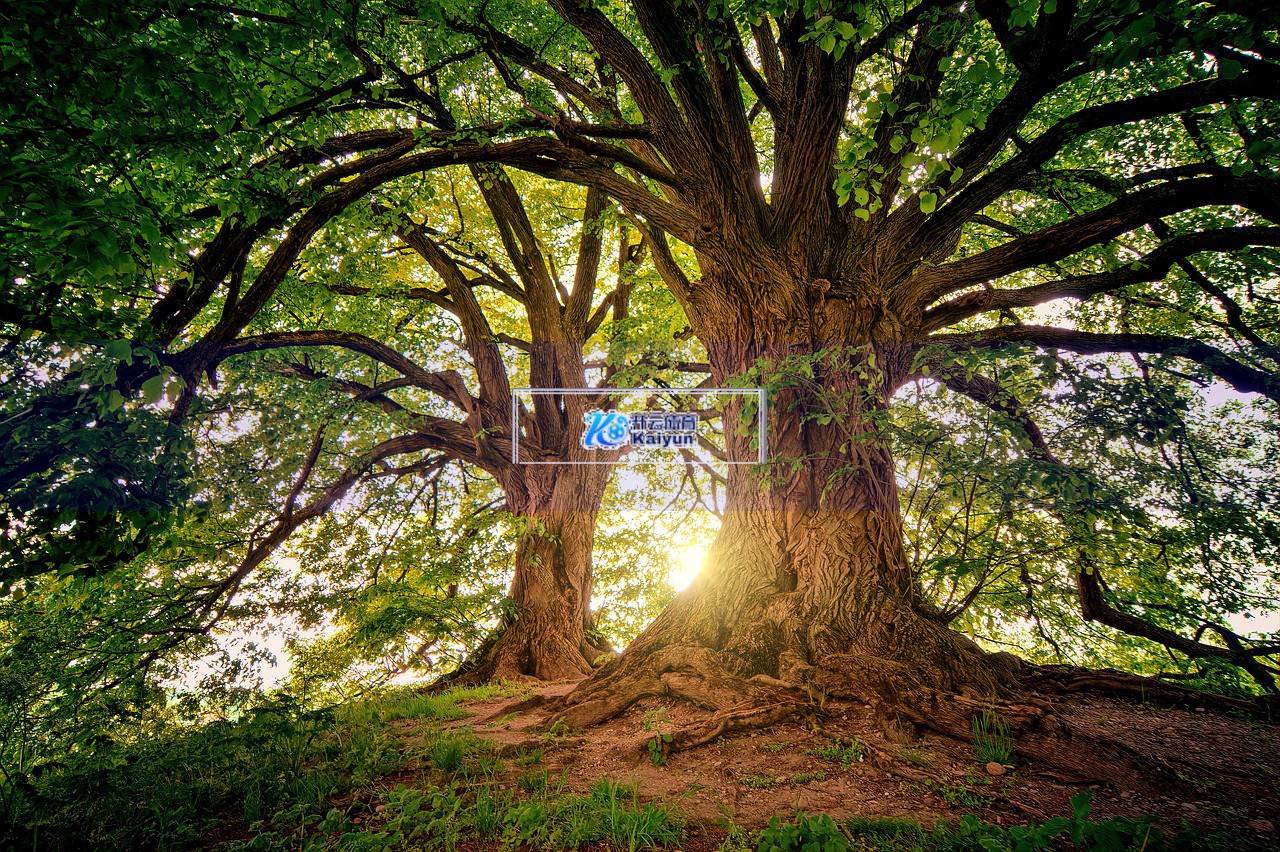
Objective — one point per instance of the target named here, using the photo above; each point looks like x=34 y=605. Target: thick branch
x=1059 y=241
x=1153 y=266
x=1242 y=377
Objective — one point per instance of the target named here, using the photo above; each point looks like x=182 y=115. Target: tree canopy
x=1007 y=268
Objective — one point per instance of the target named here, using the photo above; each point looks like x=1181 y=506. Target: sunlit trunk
x=807 y=584
x=547 y=632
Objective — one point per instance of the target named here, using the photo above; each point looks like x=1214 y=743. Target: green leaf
x=153 y=389
x=120 y=350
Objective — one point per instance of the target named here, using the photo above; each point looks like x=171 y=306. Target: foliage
x=992 y=737
x=807 y=834
x=656 y=722
x=277 y=758
x=844 y=753
x=1115 y=834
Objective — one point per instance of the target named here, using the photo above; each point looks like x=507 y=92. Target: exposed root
x=892 y=763
x=675 y=672
x=519 y=652
x=939 y=692
x=720 y=724
x=1066 y=679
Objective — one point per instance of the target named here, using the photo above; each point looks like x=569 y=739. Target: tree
x=844 y=198
x=324 y=170
x=892 y=135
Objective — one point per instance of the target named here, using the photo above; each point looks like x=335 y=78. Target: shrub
x=807 y=834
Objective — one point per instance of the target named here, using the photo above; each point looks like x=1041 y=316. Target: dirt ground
x=1215 y=771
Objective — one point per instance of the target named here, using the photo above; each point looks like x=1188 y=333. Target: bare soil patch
x=1215 y=771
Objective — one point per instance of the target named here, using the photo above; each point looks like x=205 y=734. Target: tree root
x=901 y=704
x=720 y=724
x=1068 y=679
x=676 y=672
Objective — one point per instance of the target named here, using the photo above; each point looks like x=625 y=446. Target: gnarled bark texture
x=548 y=633
x=808 y=587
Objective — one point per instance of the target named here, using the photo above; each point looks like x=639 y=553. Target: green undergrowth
x=385 y=774
x=1078 y=832
x=168 y=788
x=444 y=817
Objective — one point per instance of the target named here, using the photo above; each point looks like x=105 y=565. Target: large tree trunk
x=807 y=587
x=547 y=632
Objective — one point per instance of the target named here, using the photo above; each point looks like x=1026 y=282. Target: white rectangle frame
x=762 y=428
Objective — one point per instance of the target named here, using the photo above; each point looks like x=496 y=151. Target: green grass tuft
x=992 y=737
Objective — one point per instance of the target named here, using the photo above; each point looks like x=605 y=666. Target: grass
x=448 y=754
x=502 y=720
x=557 y=733
x=916 y=756
x=759 y=782
x=970 y=834
x=534 y=781
x=529 y=757
x=281 y=762
x=273 y=778
x=409 y=703
x=764 y=782
x=442 y=817
x=955 y=795
x=992 y=737
x=845 y=754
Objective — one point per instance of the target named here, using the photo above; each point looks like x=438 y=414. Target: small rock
x=1188 y=806
x=380 y=808
x=994 y=768
x=1262 y=826
x=1124 y=794
x=1199 y=709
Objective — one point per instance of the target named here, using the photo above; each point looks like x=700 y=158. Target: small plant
x=558 y=732
x=529 y=758
x=737 y=839
x=655 y=721
x=845 y=754
x=955 y=795
x=448 y=754
x=776 y=747
x=808 y=834
x=533 y=782
x=759 y=782
x=806 y=777
x=656 y=718
x=656 y=745
x=916 y=756
x=992 y=737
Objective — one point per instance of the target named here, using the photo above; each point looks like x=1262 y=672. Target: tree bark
x=548 y=630
x=807 y=589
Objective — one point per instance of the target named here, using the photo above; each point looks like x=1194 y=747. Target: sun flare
x=687 y=565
